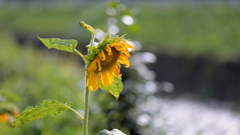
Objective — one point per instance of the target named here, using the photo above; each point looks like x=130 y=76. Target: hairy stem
x=87 y=92
x=85 y=123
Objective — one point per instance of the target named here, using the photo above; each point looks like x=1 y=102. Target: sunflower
x=5 y=117
x=106 y=64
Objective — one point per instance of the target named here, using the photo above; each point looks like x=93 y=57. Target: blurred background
x=184 y=78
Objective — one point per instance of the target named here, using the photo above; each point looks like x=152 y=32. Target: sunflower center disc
x=110 y=59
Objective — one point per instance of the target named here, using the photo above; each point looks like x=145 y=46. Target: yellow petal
x=93 y=80
x=116 y=71
x=90 y=79
x=128 y=45
x=93 y=66
x=95 y=83
x=123 y=59
x=124 y=47
x=113 y=44
x=118 y=48
x=102 y=56
x=127 y=53
x=107 y=77
x=119 y=65
x=99 y=64
x=108 y=49
x=4 y=118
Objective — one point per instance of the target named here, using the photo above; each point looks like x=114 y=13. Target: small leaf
x=113 y=132
x=115 y=88
x=47 y=107
x=60 y=44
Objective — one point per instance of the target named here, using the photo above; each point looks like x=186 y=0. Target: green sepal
x=119 y=39
x=68 y=45
x=107 y=41
x=46 y=108
x=106 y=38
x=115 y=88
x=113 y=39
x=91 y=56
x=91 y=48
x=112 y=132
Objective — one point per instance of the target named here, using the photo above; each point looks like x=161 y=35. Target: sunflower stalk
x=87 y=92
x=86 y=108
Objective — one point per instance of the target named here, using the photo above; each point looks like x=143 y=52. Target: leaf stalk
x=76 y=113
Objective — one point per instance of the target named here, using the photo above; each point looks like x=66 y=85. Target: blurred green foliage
x=210 y=31
x=28 y=76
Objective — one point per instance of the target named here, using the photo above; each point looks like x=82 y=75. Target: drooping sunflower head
x=105 y=61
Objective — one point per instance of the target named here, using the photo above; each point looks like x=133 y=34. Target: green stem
x=93 y=36
x=75 y=113
x=83 y=57
x=85 y=123
x=87 y=92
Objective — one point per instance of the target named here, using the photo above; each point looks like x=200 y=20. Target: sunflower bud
x=86 y=26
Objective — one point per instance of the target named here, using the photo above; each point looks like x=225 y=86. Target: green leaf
x=47 y=107
x=113 y=132
x=60 y=44
x=115 y=88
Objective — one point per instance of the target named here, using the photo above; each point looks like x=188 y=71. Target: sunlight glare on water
x=143 y=119
x=186 y=117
